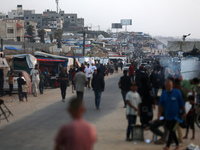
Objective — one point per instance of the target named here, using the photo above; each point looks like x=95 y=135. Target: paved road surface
x=36 y=123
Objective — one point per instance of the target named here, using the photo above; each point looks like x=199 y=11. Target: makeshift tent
x=52 y=62
x=185 y=46
x=24 y=62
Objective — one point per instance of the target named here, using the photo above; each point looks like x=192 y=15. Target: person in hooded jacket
x=98 y=85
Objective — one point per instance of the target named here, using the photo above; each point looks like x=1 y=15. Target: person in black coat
x=20 y=82
x=155 y=82
x=146 y=107
x=124 y=84
x=98 y=86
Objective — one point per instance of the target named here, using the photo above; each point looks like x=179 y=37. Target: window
x=61 y=14
x=72 y=19
x=27 y=17
x=38 y=17
x=38 y=22
x=72 y=16
x=52 y=17
x=10 y=31
x=27 y=23
x=32 y=17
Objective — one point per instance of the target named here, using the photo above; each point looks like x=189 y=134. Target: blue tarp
x=12 y=48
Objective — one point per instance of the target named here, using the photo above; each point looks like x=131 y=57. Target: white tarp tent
x=31 y=60
x=184 y=46
x=41 y=54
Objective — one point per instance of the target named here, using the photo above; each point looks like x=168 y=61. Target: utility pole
x=83 y=42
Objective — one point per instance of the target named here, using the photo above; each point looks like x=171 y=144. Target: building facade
x=12 y=29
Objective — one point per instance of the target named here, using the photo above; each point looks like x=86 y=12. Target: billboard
x=116 y=26
x=126 y=22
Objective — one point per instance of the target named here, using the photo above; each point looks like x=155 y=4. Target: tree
x=41 y=34
x=58 y=36
x=29 y=31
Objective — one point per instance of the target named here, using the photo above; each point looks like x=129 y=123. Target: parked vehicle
x=25 y=76
x=126 y=67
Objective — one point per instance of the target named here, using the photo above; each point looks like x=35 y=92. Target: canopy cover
x=31 y=60
x=184 y=46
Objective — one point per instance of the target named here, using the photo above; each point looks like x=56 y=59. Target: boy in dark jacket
x=98 y=85
x=20 y=82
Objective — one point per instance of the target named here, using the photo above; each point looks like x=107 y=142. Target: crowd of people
x=150 y=85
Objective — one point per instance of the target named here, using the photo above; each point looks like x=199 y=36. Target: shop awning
x=50 y=60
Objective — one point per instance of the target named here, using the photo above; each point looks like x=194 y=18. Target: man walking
x=131 y=71
x=11 y=81
x=124 y=85
x=98 y=86
x=78 y=134
x=171 y=101
x=35 y=76
x=88 y=72
x=93 y=68
x=80 y=79
x=63 y=78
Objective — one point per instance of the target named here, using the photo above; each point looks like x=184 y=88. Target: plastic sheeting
x=31 y=60
x=184 y=46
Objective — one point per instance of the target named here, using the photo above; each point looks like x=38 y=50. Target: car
x=126 y=66
x=25 y=76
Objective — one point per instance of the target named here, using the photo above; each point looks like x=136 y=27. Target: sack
x=24 y=88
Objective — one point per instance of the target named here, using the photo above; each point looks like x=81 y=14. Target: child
x=20 y=82
x=24 y=92
x=133 y=101
x=190 y=118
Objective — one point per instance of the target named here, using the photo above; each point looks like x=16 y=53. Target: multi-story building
x=69 y=19
x=12 y=29
x=18 y=13
x=49 y=19
x=29 y=16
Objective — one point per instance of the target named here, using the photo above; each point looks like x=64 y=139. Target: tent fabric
x=184 y=46
x=41 y=54
x=12 y=48
x=31 y=60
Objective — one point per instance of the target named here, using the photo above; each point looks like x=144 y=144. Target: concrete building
x=12 y=29
x=68 y=20
x=49 y=19
x=18 y=13
x=29 y=16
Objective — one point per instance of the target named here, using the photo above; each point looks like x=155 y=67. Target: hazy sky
x=157 y=17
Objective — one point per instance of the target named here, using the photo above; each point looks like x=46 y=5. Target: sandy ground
x=35 y=123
